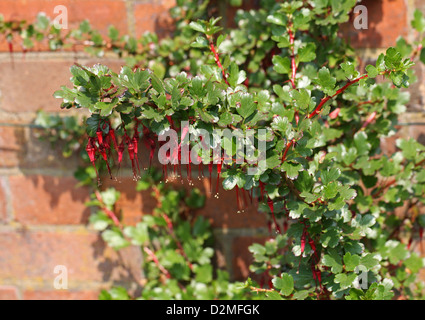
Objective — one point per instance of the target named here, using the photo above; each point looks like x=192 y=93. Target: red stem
x=179 y=245
x=108 y=212
x=217 y=61
x=326 y=99
x=293 y=63
x=151 y=254
x=288 y=146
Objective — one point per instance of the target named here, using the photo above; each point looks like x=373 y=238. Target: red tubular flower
x=285 y=225
x=302 y=246
x=121 y=149
x=189 y=169
x=270 y=203
x=219 y=166
x=149 y=143
x=99 y=135
x=130 y=148
x=91 y=151
x=113 y=138
x=170 y=121
x=102 y=150
x=200 y=168
x=313 y=247
x=136 y=150
x=210 y=166
x=334 y=114
x=303 y=240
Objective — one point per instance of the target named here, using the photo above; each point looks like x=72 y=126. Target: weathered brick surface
x=60 y=295
x=8 y=293
x=3 y=200
x=387 y=20
x=223 y=211
x=30 y=255
x=29 y=85
x=47 y=203
x=242 y=258
x=39 y=199
x=11 y=144
x=153 y=16
x=100 y=13
x=412 y=126
x=132 y=204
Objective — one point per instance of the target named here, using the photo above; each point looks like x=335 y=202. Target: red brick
x=100 y=13
x=41 y=199
x=8 y=293
x=132 y=204
x=23 y=148
x=11 y=142
x=242 y=258
x=223 y=211
x=3 y=200
x=153 y=17
x=30 y=256
x=60 y=295
x=411 y=128
x=29 y=84
x=387 y=20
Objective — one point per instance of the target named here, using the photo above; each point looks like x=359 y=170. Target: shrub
x=347 y=208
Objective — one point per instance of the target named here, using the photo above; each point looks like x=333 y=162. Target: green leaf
x=138 y=234
x=285 y=284
x=291 y=169
x=198 y=26
x=345 y=280
x=331 y=174
x=281 y=64
x=326 y=81
x=92 y=123
x=418 y=21
x=351 y=261
x=409 y=147
x=302 y=98
x=307 y=53
x=372 y=72
x=99 y=221
x=235 y=76
x=330 y=238
x=157 y=83
x=369 y=261
x=246 y=106
x=115 y=239
x=333 y=260
x=414 y=263
x=203 y=273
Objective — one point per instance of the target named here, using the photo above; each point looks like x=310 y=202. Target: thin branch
x=341 y=90
x=217 y=60
x=293 y=63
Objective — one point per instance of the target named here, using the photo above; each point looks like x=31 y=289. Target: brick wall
x=43 y=220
